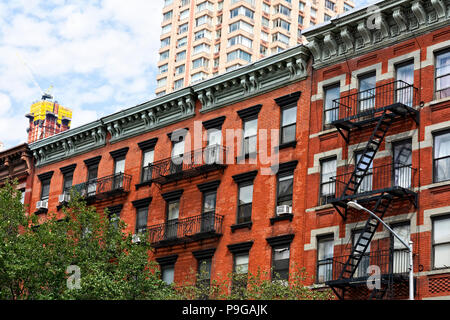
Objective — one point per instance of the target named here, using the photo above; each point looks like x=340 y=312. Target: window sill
x=143 y=184
x=286 y=145
x=242 y=226
x=287 y=216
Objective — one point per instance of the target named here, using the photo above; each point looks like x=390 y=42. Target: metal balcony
x=101 y=188
x=395 y=179
x=364 y=107
x=208 y=225
x=188 y=165
x=392 y=264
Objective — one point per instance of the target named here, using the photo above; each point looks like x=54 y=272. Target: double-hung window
x=441 y=157
x=404 y=91
x=367 y=92
x=331 y=108
x=441 y=242
x=288 y=124
x=325 y=248
x=442 y=74
x=327 y=184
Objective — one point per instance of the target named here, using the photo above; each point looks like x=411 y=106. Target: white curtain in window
x=442 y=150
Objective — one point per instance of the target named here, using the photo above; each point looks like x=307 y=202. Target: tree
x=35 y=258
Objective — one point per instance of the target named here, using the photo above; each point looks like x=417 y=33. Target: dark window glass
x=327 y=183
x=325 y=259
x=250 y=136
x=245 y=203
x=68 y=180
x=331 y=110
x=443 y=75
x=45 y=189
x=288 y=124
x=441 y=242
x=147 y=160
x=280 y=263
x=285 y=189
x=141 y=219
x=367 y=92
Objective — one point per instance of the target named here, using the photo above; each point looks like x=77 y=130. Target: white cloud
x=100 y=56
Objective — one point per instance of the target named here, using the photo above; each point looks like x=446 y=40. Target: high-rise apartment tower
x=202 y=38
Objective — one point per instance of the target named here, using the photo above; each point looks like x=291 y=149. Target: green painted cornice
x=373 y=27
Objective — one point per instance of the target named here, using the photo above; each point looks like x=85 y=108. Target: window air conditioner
x=284 y=210
x=43 y=204
x=64 y=198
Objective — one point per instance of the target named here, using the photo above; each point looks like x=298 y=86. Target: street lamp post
x=357 y=206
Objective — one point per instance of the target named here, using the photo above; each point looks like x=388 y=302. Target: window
x=443 y=75
x=313 y=13
x=164 y=55
x=285 y=189
x=402 y=160
x=119 y=169
x=180 y=69
x=331 y=110
x=300 y=20
x=347 y=7
x=441 y=242
x=301 y=6
x=282 y=24
x=441 y=157
x=199 y=76
x=326 y=17
x=202 y=48
x=365 y=182
x=245 y=202
x=181 y=42
x=166 y=28
x=280 y=262
x=176 y=164
x=163 y=69
x=202 y=34
x=239 y=54
x=265 y=22
x=183 y=28
x=161 y=82
x=67 y=182
x=161 y=93
x=208 y=211
x=168 y=273
x=288 y=124
x=280 y=37
x=165 y=42
x=167 y=15
x=264 y=36
x=173 y=211
x=147 y=160
x=405 y=79
x=141 y=219
x=330 y=5
x=240 y=40
x=240 y=269
x=266 y=8
x=184 y=2
x=114 y=215
x=325 y=248
x=204 y=272
x=92 y=179
x=241 y=25
x=202 y=20
x=327 y=185
x=180 y=56
x=233 y=67
x=45 y=189
x=167 y=2
x=184 y=14
x=250 y=137
x=401 y=257
x=241 y=11
x=178 y=84
x=199 y=63
x=282 y=9
x=366 y=96
x=205 y=6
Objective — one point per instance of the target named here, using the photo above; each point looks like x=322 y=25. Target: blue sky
x=99 y=56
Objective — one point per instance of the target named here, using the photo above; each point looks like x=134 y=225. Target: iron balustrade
x=378 y=179
x=109 y=185
x=201 y=226
x=369 y=102
x=389 y=262
x=187 y=165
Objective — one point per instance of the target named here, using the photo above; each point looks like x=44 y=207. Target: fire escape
x=376 y=187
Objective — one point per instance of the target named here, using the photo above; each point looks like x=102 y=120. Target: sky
x=99 y=57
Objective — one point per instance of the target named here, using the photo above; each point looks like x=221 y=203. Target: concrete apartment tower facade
x=202 y=38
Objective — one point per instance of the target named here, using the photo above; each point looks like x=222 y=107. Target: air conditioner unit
x=135 y=238
x=284 y=210
x=42 y=204
x=64 y=198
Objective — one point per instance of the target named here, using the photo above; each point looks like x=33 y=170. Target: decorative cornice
x=204 y=254
x=241 y=247
x=148 y=144
x=215 y=123
x=92 y=161
x=288 y=100
x=119 y=153
x=167 y=260
x=209 y=186
x=172 y=195
x=370 y=28
x=142 y=202
x=45 y=176
x=68 y=169
x=251 y=112
x=280 y=240
x=245 y=177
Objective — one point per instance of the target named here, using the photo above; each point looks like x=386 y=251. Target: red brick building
x=366 y=107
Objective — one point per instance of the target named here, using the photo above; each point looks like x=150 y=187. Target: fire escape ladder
x=363 y=242
x=362 y=166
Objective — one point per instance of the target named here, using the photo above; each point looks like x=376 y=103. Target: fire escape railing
x=187 y=165
x=368 y=102
x=389 y=262
x=105 y=186
x=196 y=227
x=377 y=180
